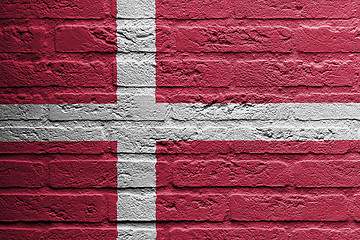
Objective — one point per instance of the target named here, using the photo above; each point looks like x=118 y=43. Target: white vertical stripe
x=136 y=69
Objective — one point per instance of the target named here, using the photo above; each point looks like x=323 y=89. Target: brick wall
x=163 y=119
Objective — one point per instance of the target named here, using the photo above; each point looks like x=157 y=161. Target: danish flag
x=179 y=119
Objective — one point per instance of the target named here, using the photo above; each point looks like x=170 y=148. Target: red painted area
x=256 y=51
x=57 y=52
x=54 y=190
x=219 y=189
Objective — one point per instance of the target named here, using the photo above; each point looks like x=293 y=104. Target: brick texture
x=57 y=52
x=244 y=51
x=263 y=185
x=179 y=119
x=29 y=192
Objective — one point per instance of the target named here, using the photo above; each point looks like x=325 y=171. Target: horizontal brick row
x=81 y=38
x=242 y=9
x=257 y=39
x=206 y=173
x=216 y=173
x=257 y=73
x=55 y=74
x=181 y=233
x=59 y=80
x=78 y=9
x=168 y=206
x=56 y=208
x=257 y=207
x=199 y=9
x=263 y=233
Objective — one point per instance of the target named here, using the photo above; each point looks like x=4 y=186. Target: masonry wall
x=184 y=119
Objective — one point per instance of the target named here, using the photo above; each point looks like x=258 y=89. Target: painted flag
x=163 y=119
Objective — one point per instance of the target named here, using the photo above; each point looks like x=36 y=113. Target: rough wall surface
x=164 y=119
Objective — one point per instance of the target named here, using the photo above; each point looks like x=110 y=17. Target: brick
x=327 y=39
x=287 y=9
x=21 y=233
x=85 y=97
x=136 y=174
x=137 y=38
x=258 y=147
x=135 y=9
x=258 y=73
x=79 y=38
x=133 y=207
x=192 y=9
x=129 y=107
x=22 y=174
x=136 y=73
x=135 y=234
x=357 y=207
x=288 y=208
x=82 y=233
x=227 y=112
x=23 y=39
x=319 y=234
x=53 y=147
x=58 y=208
x=54 y=73
x=38 y=134
x=230 y=174
x=83 y=174
x=22 y=112
x=326 y=174
x=102 y=174
x=190 y=207
x=232 y=39
x=326 y=111
x=191 y=73
x=228 y=233
x=266 y=73
x=143 y=139
x=77 y=9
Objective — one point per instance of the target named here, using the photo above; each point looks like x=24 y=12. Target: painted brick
x=319 y=174
x=228 y=233
x=318 y=233
x=58 y=208
x=21 y=233
x=134 y=9
x=327 y=39
x=54 y=73
x=54 y=147
x=83 y=174
x=133 y=207
x=78 y=9
x=180 y=73
x=136 y=73
x=258 y=147
x=22 y=174
x=135 y=234
x=233 y=173
x=258 y=73
x=287 y=9
x=233 y=39
x=79 y=38
x=190 y=9
x=22 y=112
x=289 y=208
x=23 y=39
x=136 y=38
x=191 y=207
x=82 y=233
x=55 y=133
